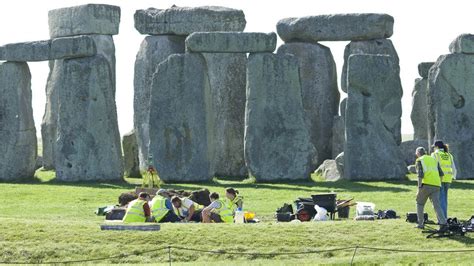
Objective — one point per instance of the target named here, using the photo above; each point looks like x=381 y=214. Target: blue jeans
x=443 y=198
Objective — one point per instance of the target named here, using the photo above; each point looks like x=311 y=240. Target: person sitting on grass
x=162 y=209
x=186 y=209
x=138 y=211
x=235 y=202
x=218 y=211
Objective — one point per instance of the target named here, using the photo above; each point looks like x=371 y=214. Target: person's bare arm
x=190 y=213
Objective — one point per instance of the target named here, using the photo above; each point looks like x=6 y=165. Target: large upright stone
x=393 y=108
x=451 y=108
x=88 y=139
x=153 y=50
x=60 y=48
x=419 y=109
x=227 y=77
x=49 y=125
x=179 y=125
x=231 y=42
x=17 y=128
x=424 y=69
x=277 y=142
x=464 y=44
x=186 y=20
x=338 y=27
x=338 y=136
x=84 y=19
x=130 y=155
x=408 y=149
x=371 y=152
x=317 y=72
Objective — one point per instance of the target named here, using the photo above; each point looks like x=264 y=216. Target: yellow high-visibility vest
x=224 y=212
x=158 y=208
x=445 y=160
x=430 y=171
x=135 y=212
x=232 y=204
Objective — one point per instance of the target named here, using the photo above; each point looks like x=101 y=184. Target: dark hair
x=232 y=191
x=446 y=148
x=143 y=195
x=175 y=199
x=214 y=195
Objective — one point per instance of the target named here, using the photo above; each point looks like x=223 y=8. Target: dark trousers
x=170 y=217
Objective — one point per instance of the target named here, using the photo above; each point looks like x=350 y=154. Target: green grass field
x=48 y=221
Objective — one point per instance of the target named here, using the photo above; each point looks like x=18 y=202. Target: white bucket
x=239 y=217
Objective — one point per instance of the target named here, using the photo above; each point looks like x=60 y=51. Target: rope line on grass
x=169 y=248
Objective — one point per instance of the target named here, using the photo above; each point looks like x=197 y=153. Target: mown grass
x=49 y=221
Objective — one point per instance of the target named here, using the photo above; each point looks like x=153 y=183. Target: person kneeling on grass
x=235 y=202
x=218 y=211
x=138 y=211
x=162 y=209
x=186 y=209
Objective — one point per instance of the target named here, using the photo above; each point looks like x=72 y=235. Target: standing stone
x=424 y=69
x=328 y=171
x=342 y=108
x=393 y=109
x=50 y=118
x=451 y=108
x=179 y=126
x=18 y=147
x=153 y=50
x=371 y=152
x=227 y=77
x=88 y=140
x=130 y=155
x=464 y=43
x=419 y=109
x=186 y=20
x=408 y=149
x=231 y=42
x=277 y=142
x=338 y=136
x=337 y=27
x=84 y=19
x=317 y=74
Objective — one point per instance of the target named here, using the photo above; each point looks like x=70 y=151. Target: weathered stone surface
x=88 y=140
x=153 y=50
x=424 y=69
x=451 y=108
x=371 y=152
x=60 y=48
x=84 y=19
x=342 y=107
x=231 y=42
x=318 y=77
x=464 y=44
x=338 y=136
x=340 y=164
x=338 y=27
x=392 y=111
x=227 y=77
x=130 y=155
x=39 y=162
x=49 y=125
x=17 y=128
x=179 y=128
x=186 y=20
x=419 y=109
x=328 y=171
x=408 y=149
x=277 y=143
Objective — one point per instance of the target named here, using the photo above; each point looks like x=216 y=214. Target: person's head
x=231 y=193
x=176 y=201
x=439 y=145
x=420 y=151
x=214 y=196
x=144 y=196
x=162 y=192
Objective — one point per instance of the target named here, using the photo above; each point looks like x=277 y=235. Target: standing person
x=218 y=211
x=235 y=202
x=138 y=211
x=186 y=209
x=429 y=183
x=162 y=208
x=446 y=161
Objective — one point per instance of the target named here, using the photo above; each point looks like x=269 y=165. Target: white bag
x=321 y=214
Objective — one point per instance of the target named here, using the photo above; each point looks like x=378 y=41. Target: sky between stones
x=423 y=31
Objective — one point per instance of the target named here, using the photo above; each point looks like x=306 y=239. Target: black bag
x=115 y=214
x=285 y=216
x=412 y=217
x=285 y=209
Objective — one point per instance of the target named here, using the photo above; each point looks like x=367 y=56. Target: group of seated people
x=163 y=208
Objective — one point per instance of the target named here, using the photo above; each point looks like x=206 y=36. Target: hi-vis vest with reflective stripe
x=233 y=203
x=135 y=212
x=158 y=207
x=430 y=171
x=445 y=160
x=224 y=212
